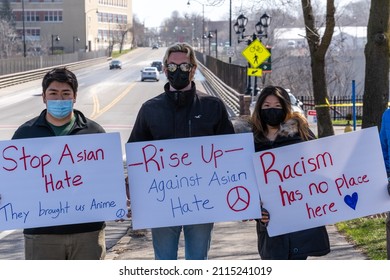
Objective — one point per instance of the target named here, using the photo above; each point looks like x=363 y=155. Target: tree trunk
x=321 y=100
x=376 y=86
x=318 y=47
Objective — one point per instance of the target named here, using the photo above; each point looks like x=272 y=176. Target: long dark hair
x=260 y=128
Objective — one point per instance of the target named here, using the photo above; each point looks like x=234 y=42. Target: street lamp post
x=56 y=38
x=230 y=28
x=24 y=31
x=203 y=26
x=75 y=39
x=261 y=29
x=210 y=36
x=87 y=27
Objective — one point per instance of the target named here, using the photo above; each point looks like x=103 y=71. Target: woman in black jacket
x=276 y=125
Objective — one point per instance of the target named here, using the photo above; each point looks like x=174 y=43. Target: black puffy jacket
x=295 y=245
x=174 y=114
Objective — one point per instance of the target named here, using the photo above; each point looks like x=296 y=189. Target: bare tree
x=8 y=39
x=123 y=31
x=376 y=89
x=318 y=47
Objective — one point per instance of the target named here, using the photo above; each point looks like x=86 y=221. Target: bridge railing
x=27 y=76
x=238 y=103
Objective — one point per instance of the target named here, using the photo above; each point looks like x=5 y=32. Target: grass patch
x=344 y=122
x=368 y=234
x=116 y=54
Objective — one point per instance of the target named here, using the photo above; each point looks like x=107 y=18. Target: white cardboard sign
x=61 y=180
x=323 y=181
x=192 y=180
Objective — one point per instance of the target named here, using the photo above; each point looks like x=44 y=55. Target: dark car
x=115 y=64
x=158 y=64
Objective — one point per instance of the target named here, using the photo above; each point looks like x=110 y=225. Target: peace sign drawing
x=238 y=198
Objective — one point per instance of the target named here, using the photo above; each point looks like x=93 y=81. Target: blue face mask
x=59 y=109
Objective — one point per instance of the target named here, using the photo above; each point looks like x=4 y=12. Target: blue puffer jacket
x=384 y=136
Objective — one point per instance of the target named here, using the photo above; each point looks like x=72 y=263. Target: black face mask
x=179 y=79
x=272 y=116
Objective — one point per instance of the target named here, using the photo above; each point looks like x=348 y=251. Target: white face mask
x=59 y=109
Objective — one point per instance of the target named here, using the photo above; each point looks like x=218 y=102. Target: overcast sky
x=153 y=12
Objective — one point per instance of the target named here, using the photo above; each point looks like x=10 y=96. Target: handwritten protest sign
x=61 y=180
x=192 y=180
x=322 y=181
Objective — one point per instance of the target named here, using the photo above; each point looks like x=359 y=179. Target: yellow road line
x=97 y=112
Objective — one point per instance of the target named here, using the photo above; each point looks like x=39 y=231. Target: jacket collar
x=181 y=98
x=80 y=122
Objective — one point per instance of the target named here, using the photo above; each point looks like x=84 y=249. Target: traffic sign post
x=230 y=52
x=266 y=66
x=257 y=72
x=256 y=53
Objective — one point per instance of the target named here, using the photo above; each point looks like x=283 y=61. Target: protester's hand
x=264 y=216
x=128 y=197
x=127 y=186
x=128 y=204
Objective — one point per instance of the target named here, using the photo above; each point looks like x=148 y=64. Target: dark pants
x=76 y=246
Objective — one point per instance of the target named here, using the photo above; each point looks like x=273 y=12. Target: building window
x=31 y=16
x=53 y=16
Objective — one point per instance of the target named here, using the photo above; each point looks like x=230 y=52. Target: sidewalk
x=231 y=241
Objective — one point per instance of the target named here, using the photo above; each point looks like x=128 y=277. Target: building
x=346 y=37
x=67 y=26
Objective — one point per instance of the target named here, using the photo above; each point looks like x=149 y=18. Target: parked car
x=115 y=64
x=158 y=64
x=150 y=73
x=155 y=47
x=291 y=44
x=295 y=103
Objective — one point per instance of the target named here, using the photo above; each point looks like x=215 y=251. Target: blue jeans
x=197 y=239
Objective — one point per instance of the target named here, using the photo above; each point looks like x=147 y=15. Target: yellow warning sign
x=256 y=53
x=255 y=72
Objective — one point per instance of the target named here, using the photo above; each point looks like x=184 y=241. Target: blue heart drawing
x=351 y=201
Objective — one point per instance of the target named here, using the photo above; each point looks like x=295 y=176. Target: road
x=110 y=97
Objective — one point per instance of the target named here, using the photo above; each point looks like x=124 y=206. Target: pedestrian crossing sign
x=256 y=53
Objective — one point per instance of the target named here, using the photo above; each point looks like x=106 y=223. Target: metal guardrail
x=27 y=76
x=238 y=103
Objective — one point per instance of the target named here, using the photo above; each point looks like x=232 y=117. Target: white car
x=150 y=73
x=296 y=103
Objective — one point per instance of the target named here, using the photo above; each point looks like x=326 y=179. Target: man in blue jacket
x=181 y=111
x=384 y=136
